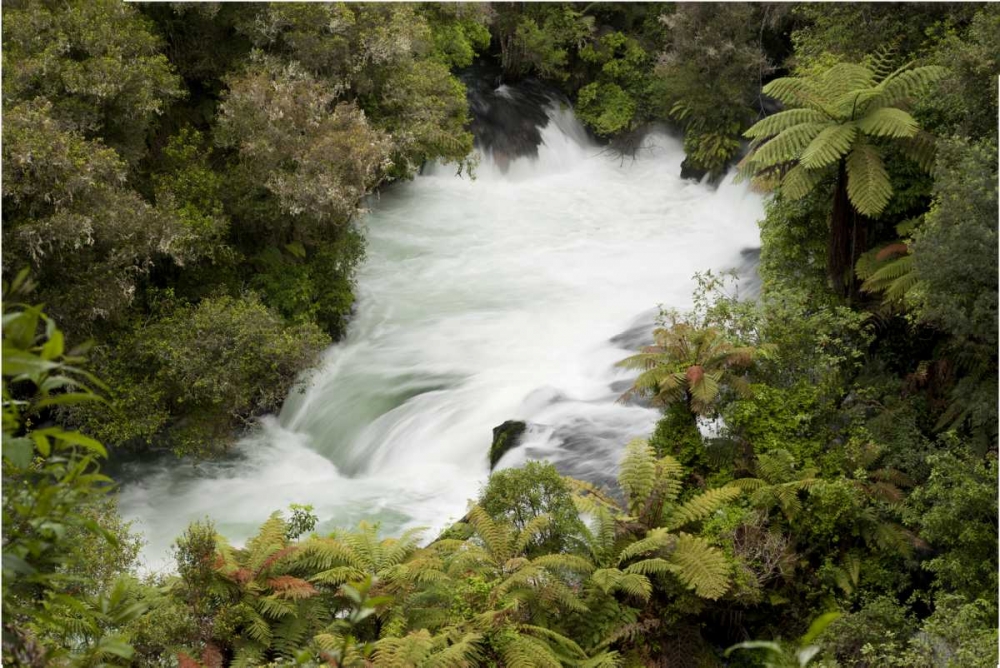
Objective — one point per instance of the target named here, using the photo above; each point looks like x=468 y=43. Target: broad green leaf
x=53 y=348
x=19 y=451
x=19 y=363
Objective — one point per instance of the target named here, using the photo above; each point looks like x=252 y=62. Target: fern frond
x=495 y=536
x=888 y=122
x=520 y=651
x=656 y=539
x=704 y=390
x=799 y=181
x=568 y=562
x=700 y=566
x=921 y=149
x=654 y=566
x=829 y=146
x=788 y=145
x=844 y=79
x=868 y=184
x=325 y=553
x=287 y=586
x=338 y=575
x=783 y=120
x=637 y=473
x=396 y=551
x=606 y=578
x=700 y=507
x=796 y=92
x=748 y=484
x=463 y=653
x=902 y=85
x=554 y=638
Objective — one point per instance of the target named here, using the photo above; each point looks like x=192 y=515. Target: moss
x=506 y=437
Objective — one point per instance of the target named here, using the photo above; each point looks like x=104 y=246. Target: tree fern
x=687 y=365
x=826 y=134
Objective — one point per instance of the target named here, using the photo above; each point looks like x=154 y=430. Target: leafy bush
x=218 y=364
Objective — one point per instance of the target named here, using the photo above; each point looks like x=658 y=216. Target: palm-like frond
x=829 y=146
x=868 y=184
x=700 y=566
x=830 y=116
x=700 y=507
x=781 y=121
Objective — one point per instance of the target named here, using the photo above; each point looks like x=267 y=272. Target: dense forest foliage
x=181 y=185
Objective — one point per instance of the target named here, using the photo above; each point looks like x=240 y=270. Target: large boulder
x=506 y=437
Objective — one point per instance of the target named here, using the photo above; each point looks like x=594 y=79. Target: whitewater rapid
x=481 y=300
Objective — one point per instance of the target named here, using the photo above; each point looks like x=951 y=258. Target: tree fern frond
x=399 y=549
x=569 y=562
x=554 y=638
x=889 y=122
x=324 y=553
x=920 y=148
x=637 y=473
x=338 y=575
x=783 y=120
x=463 y=653
x=606 y=578
x=700 y=566
x=520 y=651
x=704 y=390
x=654 y=540
x=799 y=181
x=603 y=660
x=287 y=586
x=844 y=79
x=495 y=536
x=868 y=184
x=748 y=484
x=788 y=145
x=701 y=506
x=654 y=566
x=829 y=146
x=796 y=92
x=903 y=84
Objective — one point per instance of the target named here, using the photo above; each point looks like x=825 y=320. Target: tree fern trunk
x=842 y=223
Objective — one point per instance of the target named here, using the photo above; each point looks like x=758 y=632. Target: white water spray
x=480 y=301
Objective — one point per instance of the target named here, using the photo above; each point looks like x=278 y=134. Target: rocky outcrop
x=506 y=437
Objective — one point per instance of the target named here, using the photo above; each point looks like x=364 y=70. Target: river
x=506 y=296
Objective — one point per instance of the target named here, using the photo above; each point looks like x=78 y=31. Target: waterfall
x=508 y=296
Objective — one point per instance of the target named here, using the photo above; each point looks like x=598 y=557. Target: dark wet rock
x=691 y=171
x=695 y=173
x=635 y=337
x=507 y=119
x=506 y=437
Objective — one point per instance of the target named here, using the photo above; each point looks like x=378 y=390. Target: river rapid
x=507 y=296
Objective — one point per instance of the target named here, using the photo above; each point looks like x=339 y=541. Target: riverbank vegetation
x=181 y=186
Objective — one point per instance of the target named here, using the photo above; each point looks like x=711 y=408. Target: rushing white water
x=503 y=297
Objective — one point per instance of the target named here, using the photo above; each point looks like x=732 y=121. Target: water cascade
x=506 y=296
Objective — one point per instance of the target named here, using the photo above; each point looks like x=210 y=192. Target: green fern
x=831 y=115
x=700 y=566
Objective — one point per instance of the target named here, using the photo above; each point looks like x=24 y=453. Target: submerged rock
x=506 y=437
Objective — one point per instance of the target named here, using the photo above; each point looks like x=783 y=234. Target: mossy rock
x=506 y=437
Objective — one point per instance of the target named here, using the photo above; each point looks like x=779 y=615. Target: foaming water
x=510 y=296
